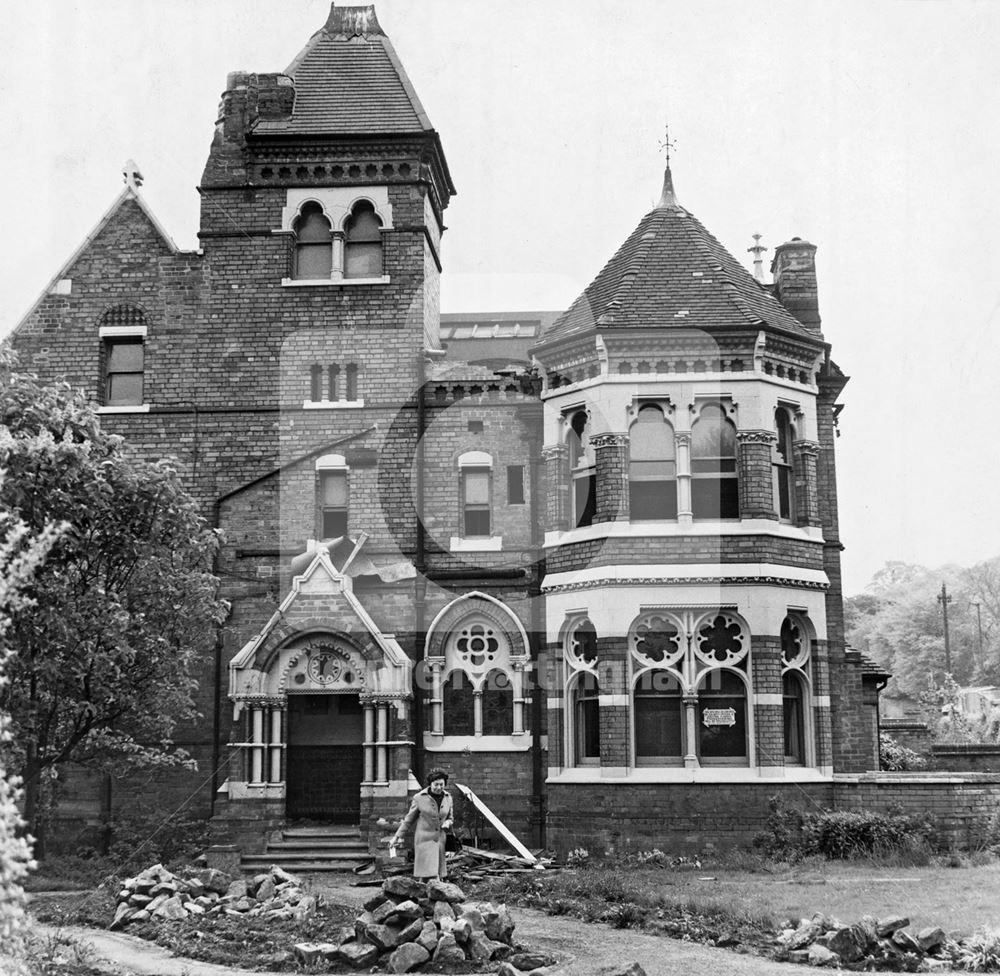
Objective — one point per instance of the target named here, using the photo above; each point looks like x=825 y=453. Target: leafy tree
x=102 y=663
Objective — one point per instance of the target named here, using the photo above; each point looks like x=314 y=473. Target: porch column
x=275 y=747
x=683 y=442
x=691 y=719
x=257 y=745
x=369 y=742
x=381 y=751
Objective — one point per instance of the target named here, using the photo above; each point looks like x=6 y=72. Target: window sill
x=667 y=774
x=126 y=408
x=697 y=527
x=332 y=404
x=491 y=544
x=477 y=743
x=334 y=282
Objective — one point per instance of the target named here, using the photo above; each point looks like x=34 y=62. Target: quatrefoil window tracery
x=477 y=645
x=794 y=644
x=581 y=645
x=720 y=640
x=656 y=640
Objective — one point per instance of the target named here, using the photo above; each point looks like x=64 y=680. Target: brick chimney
x=794 y=272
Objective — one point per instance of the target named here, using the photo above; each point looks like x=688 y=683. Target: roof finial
x=667 y=196
x=131 y=174
x=758 y=262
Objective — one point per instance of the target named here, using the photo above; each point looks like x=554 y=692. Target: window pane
x=477 y=487
x=784 y=434
x=334 y=489
x=585 y=498
x=313 y=260
x=125 y=357
x=793 y=719
x=713 y=435
x=364 y=225
x=477 y=522
x=651 y=437
x=458 y=705
x=715 y=498
x=657 y=725
x=363 y=260
x=498 y=705
x=784 y=493
x=124 y=389
x=312 y=227
x=723 y=691
x=515 y=484
x=652 y=500
x=334 y=523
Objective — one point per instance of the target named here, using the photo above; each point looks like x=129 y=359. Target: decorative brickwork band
x=806 y=494
x=557 y=486
x=756 y=485
x=611 y=452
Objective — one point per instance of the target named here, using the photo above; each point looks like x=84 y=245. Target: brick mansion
x=587 y=561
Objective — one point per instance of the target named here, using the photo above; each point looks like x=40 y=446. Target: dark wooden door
x=322 y=779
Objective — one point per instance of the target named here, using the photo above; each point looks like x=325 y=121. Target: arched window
x=459 y=705
x=313 y=243
x=659 y=737
x=714 y=484
x=652 y=470
x=363 y=242
x=722 y=718
x=795 y=663
x=583 y=471
x=784 y=482
x=584 y=696
x=498 y=704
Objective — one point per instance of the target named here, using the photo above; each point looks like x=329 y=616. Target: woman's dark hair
x=436 y=774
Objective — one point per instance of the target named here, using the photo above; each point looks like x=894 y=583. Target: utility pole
x=979 y=621
x=944 y=600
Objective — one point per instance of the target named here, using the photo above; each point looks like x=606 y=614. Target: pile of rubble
x=408 y=923
x=156 y=893
x=869 y=944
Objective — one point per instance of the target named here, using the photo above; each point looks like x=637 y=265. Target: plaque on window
x=719 y=716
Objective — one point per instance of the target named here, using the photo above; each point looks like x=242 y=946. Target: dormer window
x=313 y=244
x=363 y=242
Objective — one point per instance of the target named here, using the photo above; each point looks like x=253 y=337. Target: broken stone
x=172 y=909
x=930 y=938
x=193 y=908
x=241 y=905
x=405 y=887
x=237 y=889
x=428 y=937
x=408 y=957
x=155 y=903
x=411 y=932
x=309 y=953
x=890 y=924
x=212 y=879
x=383 y=913
x=461 y=930
x=475 y=919
x=443 y=909
x=849 y=943
x=164 y=887
x=799 y=955
x=526 y=961
x=305 y=908
x=905 y=941
x=405 y=911
x=281 y=875
x=821 y=956
x=802 y=937
x=140 y=901
x=499 y=923
x=379 y=898
x=358 y=954
x=482 y=948
x=140 y=916
x=381 y=936
x=448 y=950
x=632 y=969
x=444 y=891
x=122 y=915
x=362 y=922
x=265 y=890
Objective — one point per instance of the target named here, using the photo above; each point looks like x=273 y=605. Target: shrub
x=578 y=858
x=841 y=834
x=144 y=839
x=895 y=758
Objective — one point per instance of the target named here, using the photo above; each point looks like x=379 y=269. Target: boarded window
x=515 y=484
x=722 y=717
x=658 y=718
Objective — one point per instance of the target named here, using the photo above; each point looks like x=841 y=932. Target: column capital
x=609 y=439
x=554 y=451
x=757 y=437
x=683 y=439
x=806 y=448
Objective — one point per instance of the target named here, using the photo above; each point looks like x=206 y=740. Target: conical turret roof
x=672 y=273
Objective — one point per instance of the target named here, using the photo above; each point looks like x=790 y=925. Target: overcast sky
x=870 y=128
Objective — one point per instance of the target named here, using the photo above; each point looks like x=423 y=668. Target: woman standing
x=431 y=813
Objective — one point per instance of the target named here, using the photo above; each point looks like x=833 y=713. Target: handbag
x=452 y=844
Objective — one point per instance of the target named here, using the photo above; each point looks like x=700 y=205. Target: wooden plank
x=497 y=823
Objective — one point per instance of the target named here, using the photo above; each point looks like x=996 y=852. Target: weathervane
x=666 y=144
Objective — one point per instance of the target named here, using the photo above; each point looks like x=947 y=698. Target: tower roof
x=672 y=273
x=349 y=81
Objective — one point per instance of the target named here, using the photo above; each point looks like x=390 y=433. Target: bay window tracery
x=689 y=688
x=795 y=666
x=582 y=693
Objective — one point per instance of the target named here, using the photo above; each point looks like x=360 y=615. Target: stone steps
x=324 y=848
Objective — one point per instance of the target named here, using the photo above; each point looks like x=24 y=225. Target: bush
x=137 y=842
x=894 y=758
x=842 y=834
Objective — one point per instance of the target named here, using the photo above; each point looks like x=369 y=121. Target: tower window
x=313 y=243
x=476 y=501
x=783 y=478
x=714 y=481
x=652 y=470
x=583 y=470
x=333 y=493
x=363 y=243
